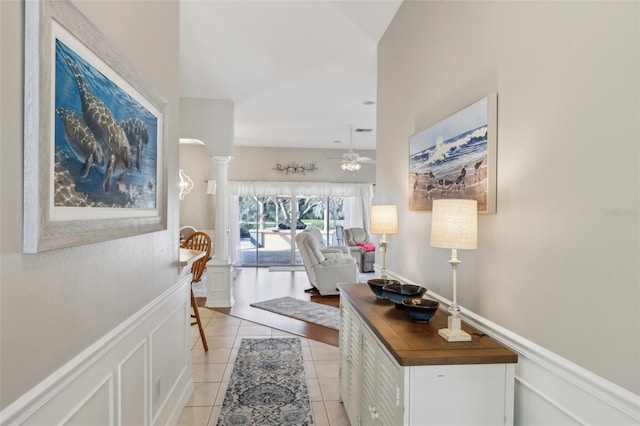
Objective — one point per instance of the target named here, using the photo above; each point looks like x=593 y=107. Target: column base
x=219 y=285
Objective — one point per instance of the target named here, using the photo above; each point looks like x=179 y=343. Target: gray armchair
x=325 y=270
x=365 y=259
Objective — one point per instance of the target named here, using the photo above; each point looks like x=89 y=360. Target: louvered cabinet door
x=382 y=402
x=345 y=329
x=389 y=405
x=369 y=411
x=350 y=362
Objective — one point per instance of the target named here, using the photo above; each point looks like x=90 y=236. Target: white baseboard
x=138 y=373
x=551 y=390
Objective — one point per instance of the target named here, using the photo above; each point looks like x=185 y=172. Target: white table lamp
x=454 y=225
x=384 y=220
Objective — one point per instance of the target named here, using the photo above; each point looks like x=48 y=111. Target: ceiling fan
x=352 y=161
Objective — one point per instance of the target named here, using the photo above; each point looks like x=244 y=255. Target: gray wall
x=558 y=263
x=257 y=164
x=57 y=303
x=197 y=209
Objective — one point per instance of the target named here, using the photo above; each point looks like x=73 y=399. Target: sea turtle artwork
x=103 y=125
x=105 y=136
x=138 y=136
x=82 y=140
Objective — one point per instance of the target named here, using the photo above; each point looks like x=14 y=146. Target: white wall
x=56 y=304
x=558 y=264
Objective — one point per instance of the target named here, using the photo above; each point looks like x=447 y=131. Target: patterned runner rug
x=268 y=385
x=316 y=313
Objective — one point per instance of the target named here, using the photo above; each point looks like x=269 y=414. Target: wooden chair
x=202 y=242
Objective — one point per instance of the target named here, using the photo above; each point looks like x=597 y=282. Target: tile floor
x=211 y=371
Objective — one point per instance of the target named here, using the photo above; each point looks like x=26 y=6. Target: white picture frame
x=95 y=136
x=456 y=158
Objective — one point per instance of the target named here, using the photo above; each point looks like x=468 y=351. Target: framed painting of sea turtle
x=456 y=158
x=95 y=136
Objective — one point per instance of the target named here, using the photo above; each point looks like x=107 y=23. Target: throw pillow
x=367 y=246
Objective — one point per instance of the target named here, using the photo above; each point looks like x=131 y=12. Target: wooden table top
x=188 y=256
x=412 y=343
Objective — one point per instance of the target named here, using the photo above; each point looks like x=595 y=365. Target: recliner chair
x=325 y=270
x=317 y=234
x=365 y=259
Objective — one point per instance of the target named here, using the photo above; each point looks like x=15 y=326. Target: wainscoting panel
x=168 y=360
x=97 y=409
x=140 y=366
x=133 y=373
x=535 y=409
x=550 y=390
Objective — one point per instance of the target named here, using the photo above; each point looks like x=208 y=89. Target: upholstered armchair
x=325 y=270
x=317 y=234
x=362 y=249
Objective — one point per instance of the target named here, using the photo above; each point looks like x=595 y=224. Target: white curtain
x=353 y=213
x=364 y=191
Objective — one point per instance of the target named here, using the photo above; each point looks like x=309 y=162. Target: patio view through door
x=268 y=228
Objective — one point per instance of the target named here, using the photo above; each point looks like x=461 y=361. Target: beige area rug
x=316 y=313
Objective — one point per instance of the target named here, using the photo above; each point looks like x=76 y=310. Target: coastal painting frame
x=456 y=158
x=86 y=181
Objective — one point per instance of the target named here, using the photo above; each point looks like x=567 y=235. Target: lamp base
x=454 y=333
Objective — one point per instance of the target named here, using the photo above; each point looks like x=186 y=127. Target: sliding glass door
x=268 y=226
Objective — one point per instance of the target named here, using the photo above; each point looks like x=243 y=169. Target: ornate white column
x=219 y=268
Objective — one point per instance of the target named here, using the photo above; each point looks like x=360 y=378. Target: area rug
x=268 y=385
x=316 y=313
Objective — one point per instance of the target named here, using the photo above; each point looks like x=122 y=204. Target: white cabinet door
x=350 y=362
x=381 y=385
x=390 y=398
x=369 y=383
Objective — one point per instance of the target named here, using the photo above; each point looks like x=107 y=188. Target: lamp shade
x=384 y=219
x=454 y=224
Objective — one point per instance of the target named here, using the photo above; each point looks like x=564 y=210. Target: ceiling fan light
x=350 y=165
x=350 y=161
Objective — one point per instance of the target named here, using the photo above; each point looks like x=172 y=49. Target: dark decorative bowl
x=376 y=285
x=420 y=310
x=398 y=292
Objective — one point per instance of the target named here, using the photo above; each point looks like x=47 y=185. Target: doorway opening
x=268 y=226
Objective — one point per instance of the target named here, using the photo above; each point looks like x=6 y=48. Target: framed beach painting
x=94 y=138
x=456 y=158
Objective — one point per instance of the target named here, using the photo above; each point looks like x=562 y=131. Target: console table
x=394 y=371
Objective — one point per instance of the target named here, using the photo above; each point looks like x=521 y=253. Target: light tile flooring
x=211 y=370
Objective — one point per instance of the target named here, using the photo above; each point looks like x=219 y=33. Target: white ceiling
x=297 y=71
